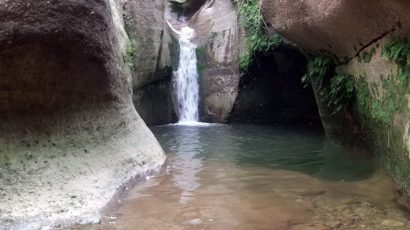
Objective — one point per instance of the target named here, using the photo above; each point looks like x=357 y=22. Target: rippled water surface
x=254 y=177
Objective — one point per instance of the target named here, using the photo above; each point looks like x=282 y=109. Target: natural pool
x=258 y=177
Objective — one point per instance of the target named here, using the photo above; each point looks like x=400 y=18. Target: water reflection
x=246 y=177
x=298 y=150
x=187 y=146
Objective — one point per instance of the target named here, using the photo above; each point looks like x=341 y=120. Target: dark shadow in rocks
x=154 y=101
x=271 y=92
x=186 y=9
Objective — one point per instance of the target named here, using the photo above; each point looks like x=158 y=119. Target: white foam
x=186 y=78
x=193 y=123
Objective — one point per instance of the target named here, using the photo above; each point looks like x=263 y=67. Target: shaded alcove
x=271 y=92
x=186 y=8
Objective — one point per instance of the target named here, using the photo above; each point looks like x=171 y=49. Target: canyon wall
x=354 y=33
x=69 y=134
x=150 y=60
x=218 y=58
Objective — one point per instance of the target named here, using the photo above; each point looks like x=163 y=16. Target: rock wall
x=69 y=135
x=383 y=108
x=154 y=103
x=218 y=58
x=340 y=28
x=353 y=33
x=144 y=20
x=151 y=66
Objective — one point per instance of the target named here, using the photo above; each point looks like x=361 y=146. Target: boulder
x=69 y=134
x=340 y=28
x=145 y=24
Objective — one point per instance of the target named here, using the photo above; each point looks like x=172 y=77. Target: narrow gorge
x=204 y=114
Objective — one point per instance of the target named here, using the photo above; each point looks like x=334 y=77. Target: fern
x=257 y=41
x=340 y=93
x=336 y=91
x=318 y=69
x=399 y=52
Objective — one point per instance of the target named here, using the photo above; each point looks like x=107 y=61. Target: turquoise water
x=296 y=149
x=223 y=177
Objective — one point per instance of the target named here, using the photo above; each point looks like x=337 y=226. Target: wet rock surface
x=217 y=39
x=354 y=34
x=218 y=60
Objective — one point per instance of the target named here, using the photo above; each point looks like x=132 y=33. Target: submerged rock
x=392 y=223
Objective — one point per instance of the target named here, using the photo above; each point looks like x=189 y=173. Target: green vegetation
x=392 y=98
x=378 y=104
x=378 y=109
x=336 y=91
x=131 y=56
x=201 y=54
x=318 y=68
x=399 y=52
x=341 y=92
x=366 y=57
x=257 y=40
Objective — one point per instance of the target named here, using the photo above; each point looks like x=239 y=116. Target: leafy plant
x=318 y=68
x=257 y=40
x=336 y=91
x=244 y=62
x=399 y=52
x=341 y=92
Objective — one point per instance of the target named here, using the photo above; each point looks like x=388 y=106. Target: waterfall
x=186 y=78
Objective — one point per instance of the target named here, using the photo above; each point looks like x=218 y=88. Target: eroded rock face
x=354 y=33
x=146 y=25
x=218 y=34
x=69 y=134
x=340 y=28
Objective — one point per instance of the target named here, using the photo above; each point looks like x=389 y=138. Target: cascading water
x=186 y=78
